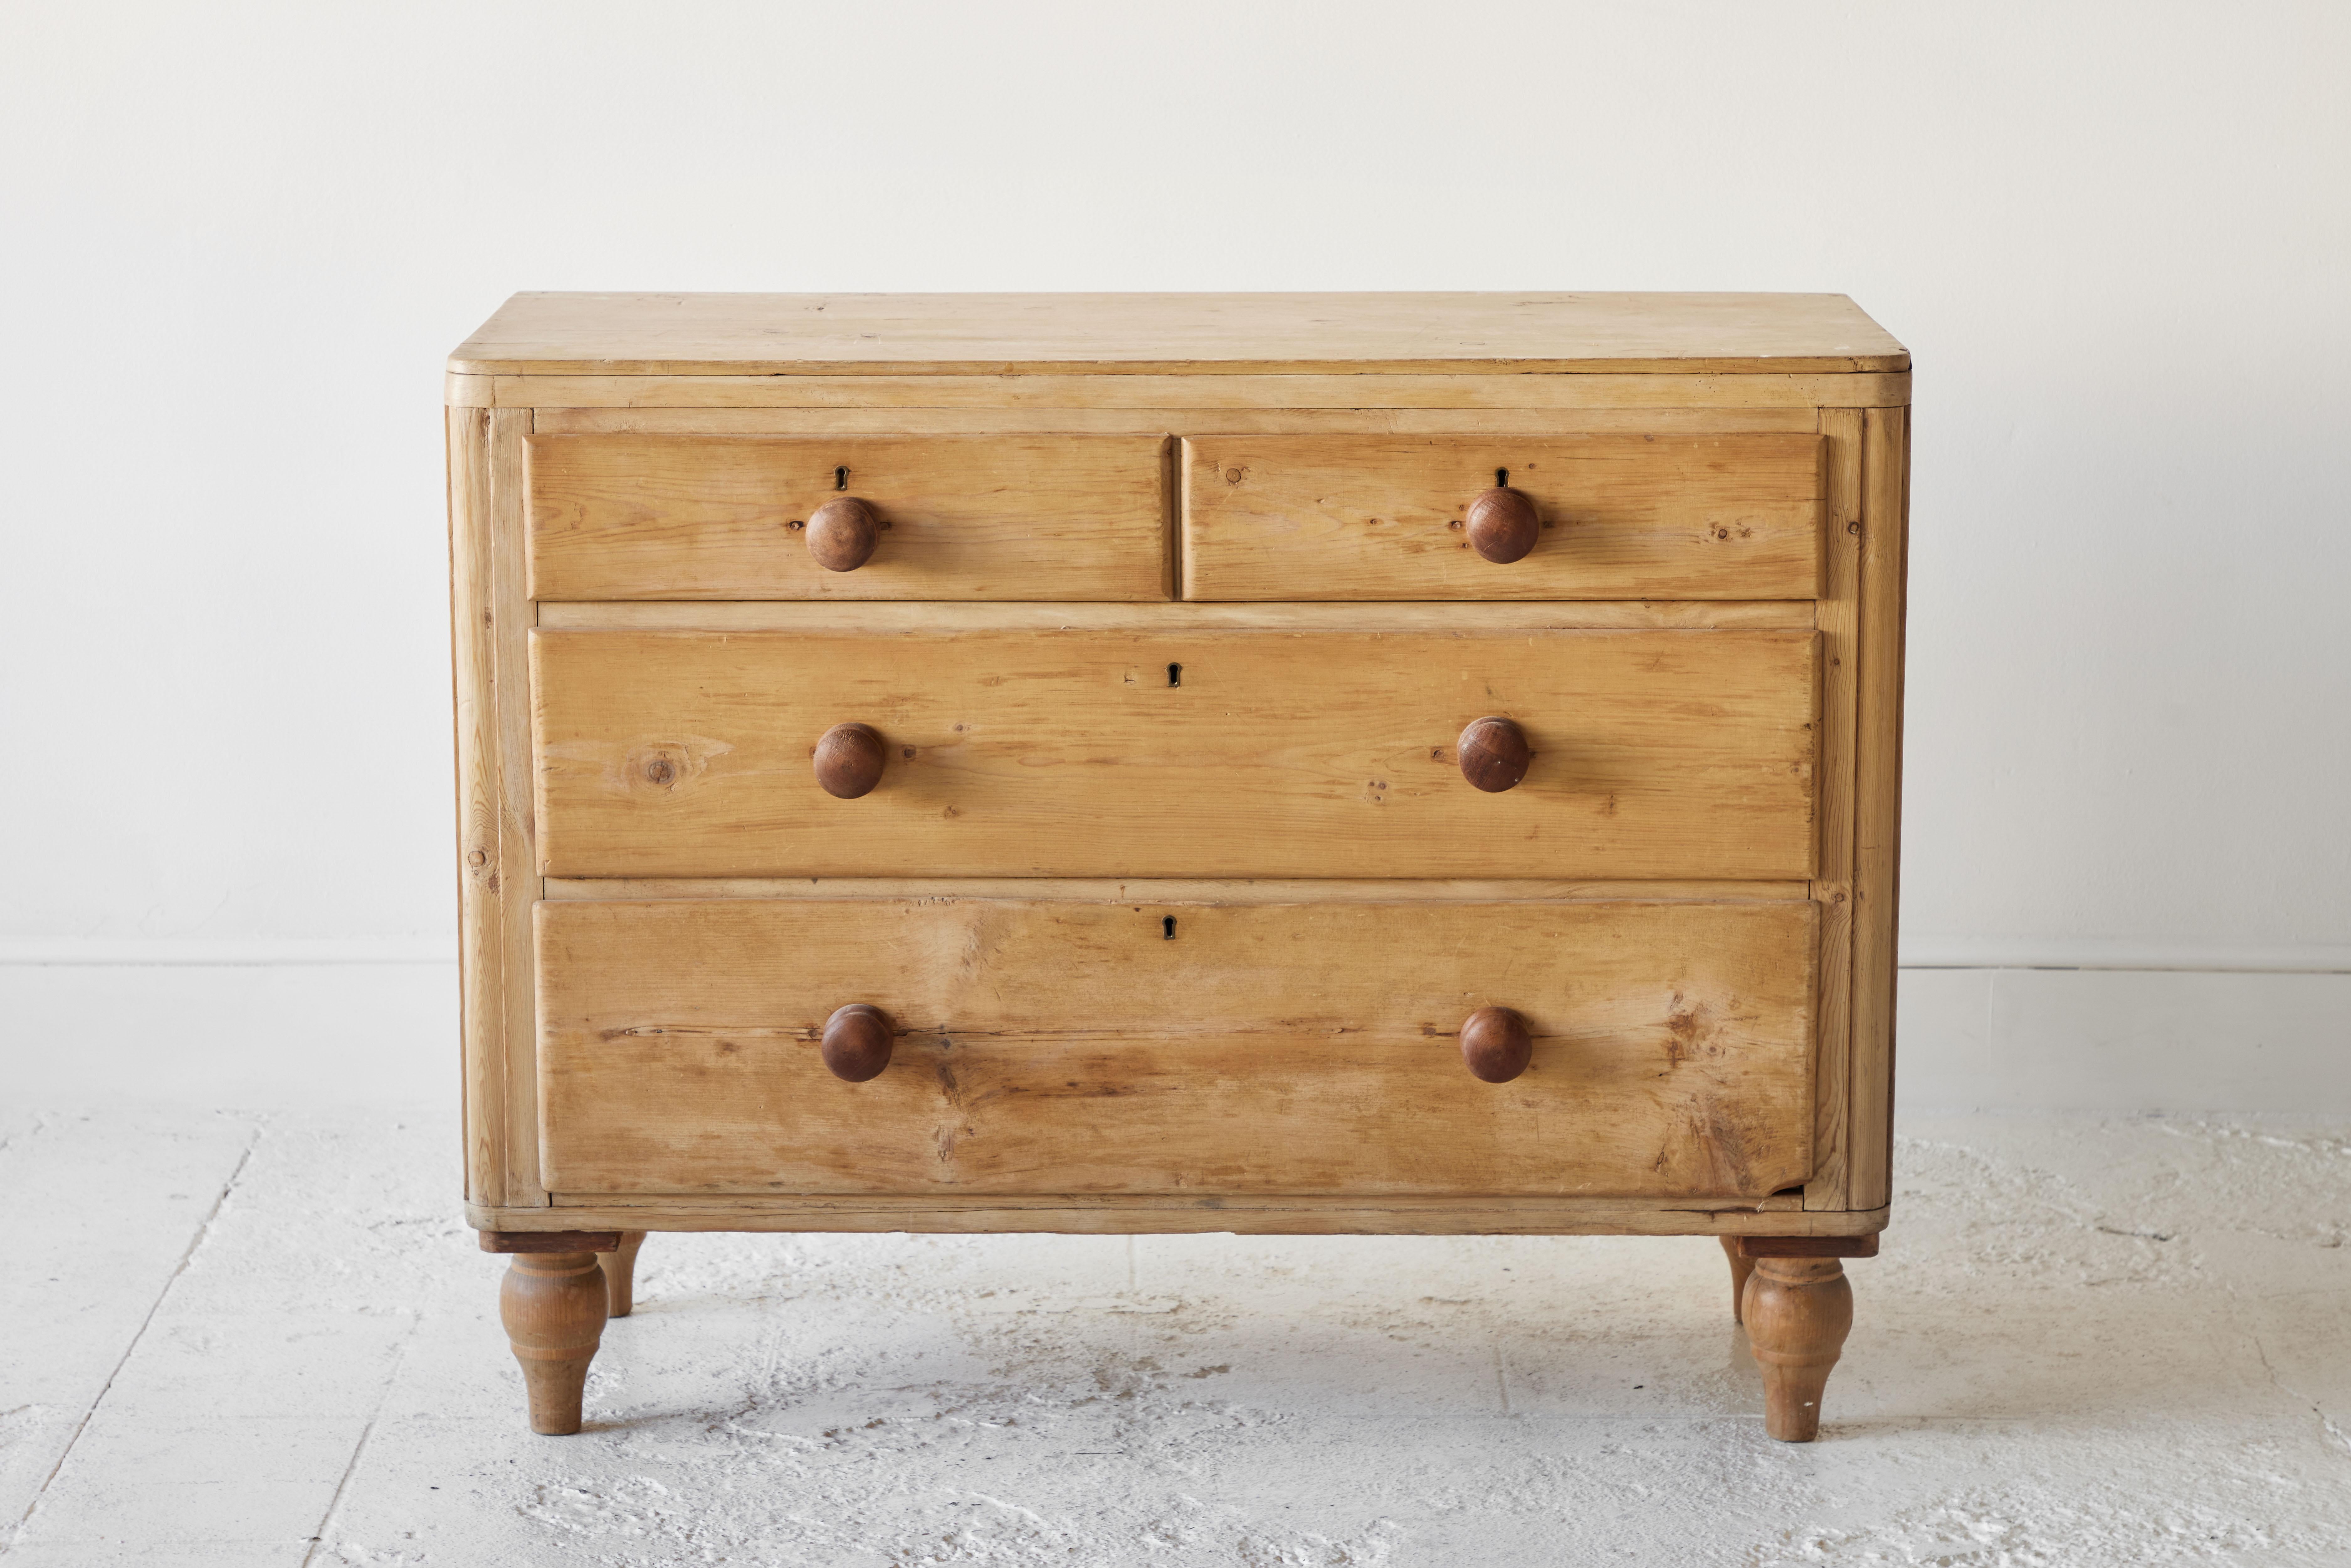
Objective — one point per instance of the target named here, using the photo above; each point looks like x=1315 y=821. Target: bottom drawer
x=1082 y=1048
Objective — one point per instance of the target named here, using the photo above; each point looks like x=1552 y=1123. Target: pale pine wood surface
x=1115 y=1215
x=1878 y=797
x=1290 y=395
x=1007 y=517
x=1161 y=889
x=1070 y=1048
x=553 y=1306
x=1624 y=517
x=474 y=619
x=1839 y=612
x=1327 y=615
x=786 y=334
x=1658 y=754
x=620 y=1266
x=490 y=617
x=1798 y=1311
x=1115 y=421
x=512 y=615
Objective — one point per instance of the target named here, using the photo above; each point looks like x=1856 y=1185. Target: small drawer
x=1073 y=1048
x=1619 y=516
x=1672 y=754
x=957 y=518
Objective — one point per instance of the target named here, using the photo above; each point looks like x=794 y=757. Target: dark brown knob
x=1501 y=525
x=1494 y=754
x=1495 y=1044
x=848 y=758
x=842 y=532
x=857 y=1041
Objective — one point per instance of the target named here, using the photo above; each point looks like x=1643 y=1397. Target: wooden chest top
x=1175 y=334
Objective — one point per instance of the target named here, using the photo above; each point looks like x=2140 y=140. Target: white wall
x=240 y=238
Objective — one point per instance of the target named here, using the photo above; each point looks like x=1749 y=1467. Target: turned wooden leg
x=1797 y=1311
x=1741 y=1266
x=553 y=1306
x=621 y=1274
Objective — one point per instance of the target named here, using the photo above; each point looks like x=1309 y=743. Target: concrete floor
x=262 y=1341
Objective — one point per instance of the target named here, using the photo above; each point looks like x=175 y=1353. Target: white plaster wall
x=239 y=239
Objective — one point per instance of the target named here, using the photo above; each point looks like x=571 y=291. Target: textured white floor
x=233 y=1339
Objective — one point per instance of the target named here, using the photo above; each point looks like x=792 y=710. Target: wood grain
x=1768 y=614
x=1877 y=794
x=481 y=946
x=1066 y=1215
x=1010 y=516
x=1840 y=621
x=1187 y=394
x=1009 y=334
x=1639 y=419
x=1798 y=1311
x=518 y=880
x=620 y=1266
x=1753 y=1247
x=1160 y=890
x=502 y=1241
x=1080 y=1048
x=1624 y=517
x=553 y=1305
x=1657 y=754
x=1741 y=1267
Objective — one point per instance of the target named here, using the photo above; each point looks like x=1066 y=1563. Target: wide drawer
x=1624 y=517
x=712 y=517
x=1077 y=1048
x=1675 y=754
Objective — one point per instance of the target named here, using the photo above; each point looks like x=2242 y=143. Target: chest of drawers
x=1277 y=763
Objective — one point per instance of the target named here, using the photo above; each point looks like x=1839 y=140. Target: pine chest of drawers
x=1299 y=763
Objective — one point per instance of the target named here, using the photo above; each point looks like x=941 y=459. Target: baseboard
x=248 y=1032
x=235 y=952
x=2106 y=953
x=2122 y=1041
x=243 y=1035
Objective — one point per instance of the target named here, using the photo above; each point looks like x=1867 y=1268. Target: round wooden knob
x=848 y=758
x=1501 y=525
x=842 y=532
x=1494 y=754
x=857 y=1041
x=1495 y=1044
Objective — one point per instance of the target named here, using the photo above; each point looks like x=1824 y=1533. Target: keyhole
x=1167 y=927
x=1174 y=675
x=841 y=478
x=1501 y=479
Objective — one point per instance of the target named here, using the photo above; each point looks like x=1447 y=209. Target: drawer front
x=1624 y=517
x=1085 y=1047
x=1656 y=753
x=998 y=517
